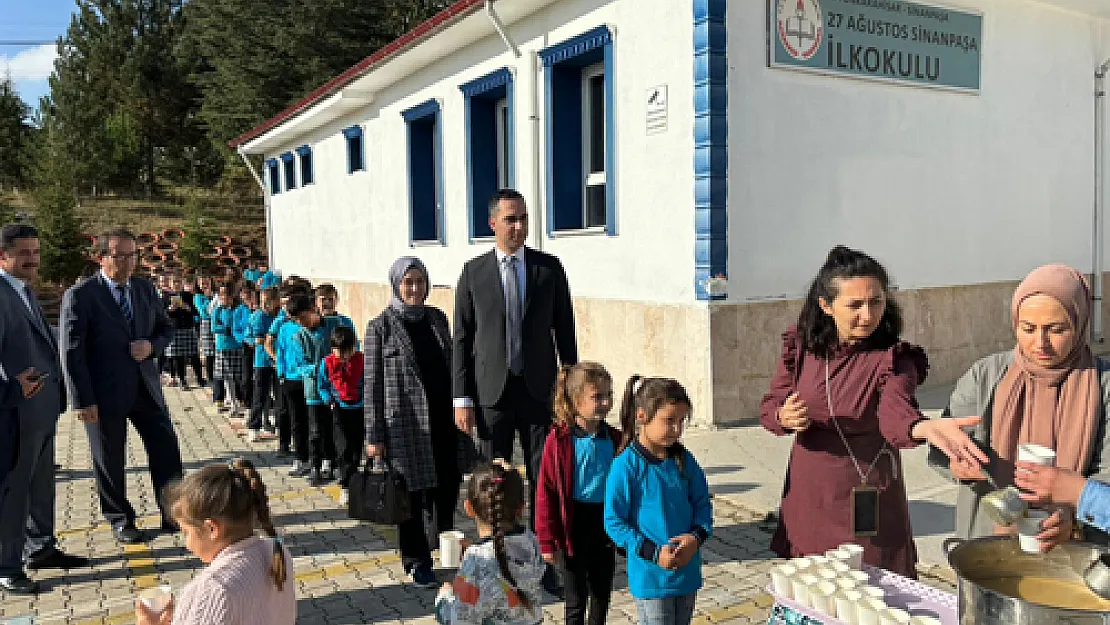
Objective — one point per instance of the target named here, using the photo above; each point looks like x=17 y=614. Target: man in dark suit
x=27 y=522
x=112 y=326
x=514 y=324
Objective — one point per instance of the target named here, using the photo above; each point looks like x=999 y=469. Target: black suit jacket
x=95 y=346
x=479 y=365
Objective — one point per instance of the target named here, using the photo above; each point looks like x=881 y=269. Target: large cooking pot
x=983 y=561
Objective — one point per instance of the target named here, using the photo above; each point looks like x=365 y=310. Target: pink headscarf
x=1055 y=406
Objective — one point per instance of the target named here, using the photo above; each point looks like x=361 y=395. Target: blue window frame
x=304 y=154
x=356 y=151
x=425 y=172
x=287 y=168
x=489 y=130
x=274 y=174
x=581 y=159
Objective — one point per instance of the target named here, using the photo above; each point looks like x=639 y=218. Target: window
x=578 y=76
x=356 y=154
x=274 y=175
x=425 y=173
x=488 y=113
x=288 y=168
x=307 y=175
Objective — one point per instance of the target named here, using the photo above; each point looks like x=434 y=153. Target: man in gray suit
x=112 y=327
x=27 y=522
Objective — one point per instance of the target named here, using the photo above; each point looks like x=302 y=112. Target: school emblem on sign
x=801 y=27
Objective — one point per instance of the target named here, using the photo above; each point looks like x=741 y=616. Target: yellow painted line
x=346 y=568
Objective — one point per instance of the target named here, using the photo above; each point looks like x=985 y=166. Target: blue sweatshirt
x=257 y=328
x=229 y=326
x=200 y=300
x=270 y=279
x=647 y=503
x=305 y=349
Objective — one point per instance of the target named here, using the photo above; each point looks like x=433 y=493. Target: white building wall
x=943 y=188
x=351 y=227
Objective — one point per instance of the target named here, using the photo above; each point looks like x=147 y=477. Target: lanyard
x=862 y=476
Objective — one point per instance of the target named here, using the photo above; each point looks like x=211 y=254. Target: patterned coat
x=395 y=404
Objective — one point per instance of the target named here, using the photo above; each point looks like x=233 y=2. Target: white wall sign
x=656 y=101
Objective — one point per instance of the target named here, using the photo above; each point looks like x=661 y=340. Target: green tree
x=199 y=238
x=55 y=200
x=14 y=134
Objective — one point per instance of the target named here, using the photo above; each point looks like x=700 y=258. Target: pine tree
x=14 y=134
x=199 y=239
x=55 y=199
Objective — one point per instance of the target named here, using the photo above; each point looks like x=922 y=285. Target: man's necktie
x=125 y=303
x=513 y=314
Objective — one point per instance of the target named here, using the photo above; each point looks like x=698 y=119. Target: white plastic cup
x=856 y=553
x=874 y=593
x=156 y=598
x=801 y=563
x=840 y=568
x=860 y=577
x=819 y=560
x=826 y=574
x=1028 y=528
x=821 y=597
x=781 y=580
x=800 y=589
x=1037 y=454
x=847 y=605
x=894 y=616
x=847 y=583
x=925 y=620
x=450 y=549
x=839 y=555
x=868 y=613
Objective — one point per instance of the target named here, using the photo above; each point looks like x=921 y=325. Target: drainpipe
x=1098 y=218
x=499 y=26
x=266 y=207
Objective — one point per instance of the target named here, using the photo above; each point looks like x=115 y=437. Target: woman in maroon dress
x=845 y=387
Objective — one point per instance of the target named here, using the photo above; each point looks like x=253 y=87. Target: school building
x=692 y=161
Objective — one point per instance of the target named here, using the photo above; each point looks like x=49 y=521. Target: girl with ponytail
x=657 y=504
x=570 y=497
x=499 y=578
x=249 y=579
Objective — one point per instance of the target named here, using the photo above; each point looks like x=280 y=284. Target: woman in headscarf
x=409 y=419
x=1048 y=390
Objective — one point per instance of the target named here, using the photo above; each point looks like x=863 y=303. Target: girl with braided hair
x=499 y=578
x=249 y=579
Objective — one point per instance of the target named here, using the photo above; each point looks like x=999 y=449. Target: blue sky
x=34 y=20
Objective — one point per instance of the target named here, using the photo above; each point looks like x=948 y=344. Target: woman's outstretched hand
x=948 y=436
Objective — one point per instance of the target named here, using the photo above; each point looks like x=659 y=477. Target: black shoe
x=128 y=534
x=299 y=470
x=19 y=585
x=422 y=576
x=551 y=583
x=283 y=452
x=57 y=560
x=315 y=478
x=327 y=474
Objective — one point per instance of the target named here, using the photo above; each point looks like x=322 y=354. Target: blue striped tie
x=125 y=303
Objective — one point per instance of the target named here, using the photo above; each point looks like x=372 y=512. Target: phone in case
x=865 y=511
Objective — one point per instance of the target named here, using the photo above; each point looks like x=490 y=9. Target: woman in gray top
x=1049 y=390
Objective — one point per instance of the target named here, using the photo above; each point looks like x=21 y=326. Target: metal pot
x=1000 y=556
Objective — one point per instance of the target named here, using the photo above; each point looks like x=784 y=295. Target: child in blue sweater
x=657 y=504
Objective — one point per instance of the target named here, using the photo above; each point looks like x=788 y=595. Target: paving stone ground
x=346 y=572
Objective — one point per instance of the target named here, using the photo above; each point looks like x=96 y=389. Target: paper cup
x=860 y=577
x=801 y=563
x=450 y=549
x=856 y=553
x=819 y=560
x=1037 y=454
x=847 y=605
x=894 y=616
x=866 y=614
x=839 y=555
x=925 y=620
x=873 y=592
x=821 y=598
x=847 y=583
x=800 y=590
x=826 y=574
x=1028 y=528
x=157 y=598
x=840 y=568
x=780 y=580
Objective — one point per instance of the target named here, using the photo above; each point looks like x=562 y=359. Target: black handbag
x=379 y=495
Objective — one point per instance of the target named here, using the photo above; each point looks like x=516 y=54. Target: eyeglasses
x=129 y=256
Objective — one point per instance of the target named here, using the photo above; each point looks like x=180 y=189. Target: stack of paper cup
x=780 y=580
x=801 y=563
x=840 y=568
x=855 y=553
x=872 y=592
x=799 y=585
x=869 y=611
x=819 y=560
x=847 y=583
x=826 y=574
x=847 y=605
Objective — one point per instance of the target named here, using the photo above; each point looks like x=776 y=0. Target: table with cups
x=837 y=588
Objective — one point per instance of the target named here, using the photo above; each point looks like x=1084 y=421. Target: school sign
x=892 y=40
